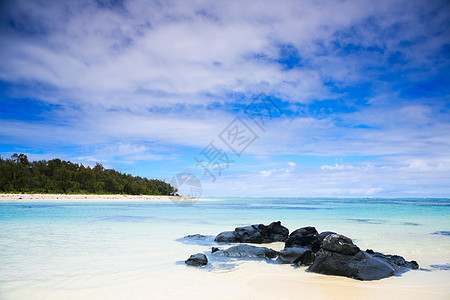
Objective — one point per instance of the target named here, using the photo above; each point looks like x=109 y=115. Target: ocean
x=131 y=250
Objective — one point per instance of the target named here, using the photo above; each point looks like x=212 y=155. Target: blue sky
x=361 y=87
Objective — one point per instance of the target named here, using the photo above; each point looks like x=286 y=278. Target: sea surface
x=132 y=250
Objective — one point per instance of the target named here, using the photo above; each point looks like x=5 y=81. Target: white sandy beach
x=88 y=198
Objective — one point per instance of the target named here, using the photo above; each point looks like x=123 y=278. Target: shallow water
x=129 y=250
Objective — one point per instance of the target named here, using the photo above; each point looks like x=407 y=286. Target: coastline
x=24 y=198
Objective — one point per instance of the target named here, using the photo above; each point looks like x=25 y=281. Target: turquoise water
x=354 y=217
x=55 y=249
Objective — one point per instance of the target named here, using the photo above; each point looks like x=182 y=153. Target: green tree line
x=19 y=175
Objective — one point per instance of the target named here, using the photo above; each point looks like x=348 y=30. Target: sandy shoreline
x=90 y=198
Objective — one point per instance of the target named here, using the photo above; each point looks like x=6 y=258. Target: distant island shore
x=23 y=198
x=19 y=175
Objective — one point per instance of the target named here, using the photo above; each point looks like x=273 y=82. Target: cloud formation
x=127 y=82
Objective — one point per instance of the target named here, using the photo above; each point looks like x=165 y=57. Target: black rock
x=251 y=234
x=339 y=256
x=247 y=251
x=257 y=234
x=326 y=253
x=306 y=237
x=277 y=232
x=226 y=237
x=324 y=234
x=395 y=261
x=198 y=259
x=294 y=255
x=340 y=244
x=360 y=266
x=307 y=259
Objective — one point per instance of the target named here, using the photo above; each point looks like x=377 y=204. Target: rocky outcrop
x=198 y=259
x=339 y=256
x=325 y=253
x=359 y=266
x=246 y=251
x=297 y=256
x=257 y=234
x=306 y=237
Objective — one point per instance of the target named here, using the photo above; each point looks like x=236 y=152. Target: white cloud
x=360 y=180
x=105 y=56
x=280 y=172
x=336 y=167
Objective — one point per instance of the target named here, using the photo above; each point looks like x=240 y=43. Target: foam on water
x=130 y=250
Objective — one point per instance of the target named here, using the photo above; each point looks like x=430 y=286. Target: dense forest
x=18 y=175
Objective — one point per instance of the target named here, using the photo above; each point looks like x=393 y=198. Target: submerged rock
x=198 y=259
x=257 y=234
x=444 y=267
x=196 y=236
x=306 y=237
x=197 y=239
x=295 y=255
x=246 y=251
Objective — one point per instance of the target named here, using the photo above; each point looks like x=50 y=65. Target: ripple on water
x=368 y=221
x=410 y=224
x=442 y=232
x=125 y=218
